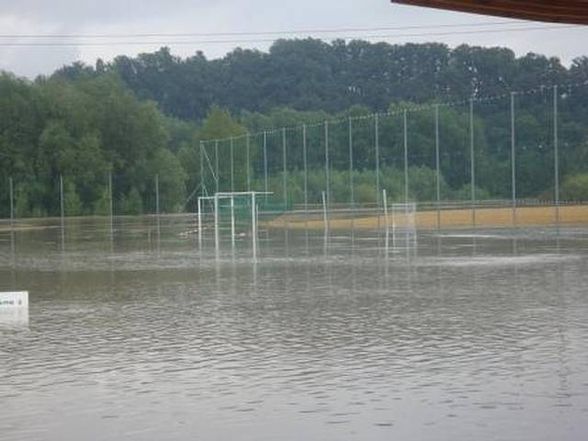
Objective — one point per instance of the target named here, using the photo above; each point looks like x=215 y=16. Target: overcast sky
x=118 y=18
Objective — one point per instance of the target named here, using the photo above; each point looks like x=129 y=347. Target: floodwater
x=468 y=335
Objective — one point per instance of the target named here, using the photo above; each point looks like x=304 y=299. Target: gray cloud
x=159 y=16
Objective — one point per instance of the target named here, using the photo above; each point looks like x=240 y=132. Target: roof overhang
x=555 y=11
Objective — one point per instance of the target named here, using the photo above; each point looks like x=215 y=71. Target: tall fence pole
x=232 y=154
x=472 y=164
x=438 y=166
x=513 y=158
x=265 y=185
x=202 y=168
x=327 y=171
x=199 y=222
x=62 y=211
x=11 y=190
x=556 y=153
x=305 y=165
x=325 y=215
x=61 y=200
x=216 y=168
x=351 y=186
x=216 y=226
x=254 y=226
x=405 y=126
x=284 y=169
x=157 y=195
x=377 y=148
x=386 y=223
x=248 y=160
x=111 y=204
x=157 y=210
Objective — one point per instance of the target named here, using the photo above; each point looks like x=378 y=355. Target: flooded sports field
x=144 y=335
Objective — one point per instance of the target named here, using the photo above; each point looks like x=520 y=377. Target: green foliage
x=575 y=188
x=147 y=116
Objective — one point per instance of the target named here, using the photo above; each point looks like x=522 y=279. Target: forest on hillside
x=142 y=117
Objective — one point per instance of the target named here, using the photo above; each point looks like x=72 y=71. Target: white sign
x=16 y=299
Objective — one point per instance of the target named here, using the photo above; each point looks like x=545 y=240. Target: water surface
x=467 y=335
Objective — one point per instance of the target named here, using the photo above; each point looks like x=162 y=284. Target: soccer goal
x=400 y=223
x=229 y=214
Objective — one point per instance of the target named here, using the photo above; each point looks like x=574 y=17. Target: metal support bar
x=377 y=148
x=327 y=167
x=438 y=166
x=472 y=164
x=556 y=153
x=405 y=124
x=513 y=158
x=284 y=169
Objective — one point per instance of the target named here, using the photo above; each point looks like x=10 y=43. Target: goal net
x=401 y=223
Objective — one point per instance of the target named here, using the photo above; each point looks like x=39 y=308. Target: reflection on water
x=467 y=336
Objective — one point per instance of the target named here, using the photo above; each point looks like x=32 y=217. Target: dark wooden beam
x=554 y=11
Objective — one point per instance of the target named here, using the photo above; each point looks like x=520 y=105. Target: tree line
x=137 y=118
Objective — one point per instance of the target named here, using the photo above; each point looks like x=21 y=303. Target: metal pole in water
x=513 y=158
x=254 y=226
x=438 y=166
x=216 y=232
x=111 y=203
x=304 y=160
x=199 y=222
x=284 y=169
x=201 y=168
x=247 y=161
x=386 y=224
x=157 y=211
x=233 y=221
x=405 y=158
x=265 y=186
x=11 y=190
x=351 y=186
x=325 y=215
x=556 y=153
x=327 y=172
x=472 y=163
x=377 y=147
x=216 y=169
x=61 y=201
x=62 y=211
x=231 y=146
x=157 y=195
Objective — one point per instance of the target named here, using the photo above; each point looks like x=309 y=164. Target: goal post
x=235 y=212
